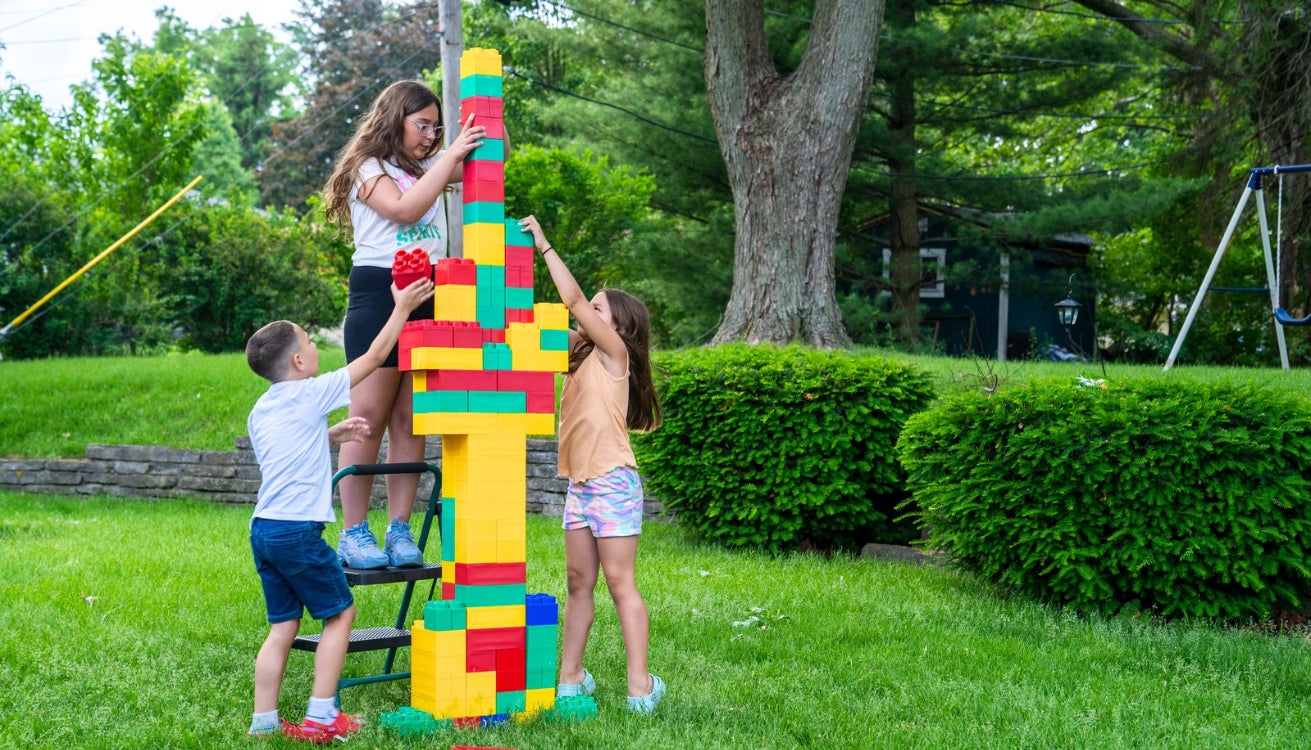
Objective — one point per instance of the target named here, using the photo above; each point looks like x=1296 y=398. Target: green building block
x=554 y=340
x=493 y=315
x=481 y=85
x=572 y=708
x=496 y=357
x=448 y=528
x=516 y=236
x=511 y=702
x=431 y=402
x=519 y=298
x=445 y=614
x=499 y=402
x=493 y=149
x=408 y=721
x=490 y=595
x=484 y=212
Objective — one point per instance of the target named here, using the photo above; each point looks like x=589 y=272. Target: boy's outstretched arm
x=406 y=300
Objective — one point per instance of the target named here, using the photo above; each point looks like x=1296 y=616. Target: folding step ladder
x=398 y=637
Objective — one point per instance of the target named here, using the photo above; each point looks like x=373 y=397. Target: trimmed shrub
x=1185 y=498
x=765 y=446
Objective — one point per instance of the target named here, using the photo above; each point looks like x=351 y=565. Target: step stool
x=398 y=637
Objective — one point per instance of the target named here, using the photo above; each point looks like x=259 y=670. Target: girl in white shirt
x=387 y=187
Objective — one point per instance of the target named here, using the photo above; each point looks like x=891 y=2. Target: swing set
x=1255 y=186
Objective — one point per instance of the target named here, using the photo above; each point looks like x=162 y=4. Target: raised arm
x=604 y=336
x=406 y=300
x=383 y=196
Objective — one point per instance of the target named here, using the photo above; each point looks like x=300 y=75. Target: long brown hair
x=633 y=324
x=380 y=135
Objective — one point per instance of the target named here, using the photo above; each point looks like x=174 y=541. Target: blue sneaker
x=401 y=549
x=647 y=703
x=358 y=548
x=571 y=689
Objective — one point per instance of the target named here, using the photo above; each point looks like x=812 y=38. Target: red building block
x=540 y=403
x=484 y=574
x=492 y=192
x=484 y=171
x=514 y=315
x=461 y=271
x=480 y=660
x=511 y=670
x=482 y=107
x=408 y=266
x=491 y=639
x=462 y=380
x=467 y=335
x=528 y=382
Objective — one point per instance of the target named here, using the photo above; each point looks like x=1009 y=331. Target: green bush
x=766 y=447
x=1184 y=498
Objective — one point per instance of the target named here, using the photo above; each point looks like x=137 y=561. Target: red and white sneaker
x=312 y=731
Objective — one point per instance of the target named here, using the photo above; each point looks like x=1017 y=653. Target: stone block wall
x=149 y=471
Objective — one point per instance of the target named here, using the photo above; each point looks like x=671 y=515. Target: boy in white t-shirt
x=298 y=571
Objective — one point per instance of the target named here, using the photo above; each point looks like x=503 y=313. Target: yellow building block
x=523 y=337
x=455 y=423
x=455 y=302
x=474 y=529
x=451 y=699
x=420 y=381
x=474 y=551
x=504 y=616
x=478 y=61
x=511 y=550
x=451 y=645
x=524 y=424
x=539 y=699
x=448 y=574
x=551 y=315
x=515 y=528
x=486 y=241
x=481 y=693
x=526 y=360
x=443 y=358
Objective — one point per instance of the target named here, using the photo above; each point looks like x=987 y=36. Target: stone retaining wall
x=230 y=476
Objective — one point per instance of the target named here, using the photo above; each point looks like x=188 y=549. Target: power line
x=1104 y=172
x=639 y=32
x=598 y=102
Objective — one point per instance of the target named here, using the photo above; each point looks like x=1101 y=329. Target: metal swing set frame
x=1255 y=186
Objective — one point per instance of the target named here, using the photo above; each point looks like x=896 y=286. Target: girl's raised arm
x=603 y=335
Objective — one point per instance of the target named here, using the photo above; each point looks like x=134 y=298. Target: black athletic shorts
x=367 y=311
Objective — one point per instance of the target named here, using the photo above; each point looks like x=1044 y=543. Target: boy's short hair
x=270 y=348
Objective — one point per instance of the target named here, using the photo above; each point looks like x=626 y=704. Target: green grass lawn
x=134 y=624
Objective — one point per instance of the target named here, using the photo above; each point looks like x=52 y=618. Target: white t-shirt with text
x=288 y=429
x=377 y=238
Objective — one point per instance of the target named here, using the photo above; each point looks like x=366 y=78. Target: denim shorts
x=297 y=569
x=610 y=505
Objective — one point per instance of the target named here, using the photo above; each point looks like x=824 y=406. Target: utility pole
x=452 y=29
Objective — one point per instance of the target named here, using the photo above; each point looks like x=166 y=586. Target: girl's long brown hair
x=633 y=324
x=380 y=135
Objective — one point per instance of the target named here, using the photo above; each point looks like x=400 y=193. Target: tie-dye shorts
x=610 y=505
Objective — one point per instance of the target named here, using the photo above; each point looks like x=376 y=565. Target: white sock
x=264 y=723
x=322 y=710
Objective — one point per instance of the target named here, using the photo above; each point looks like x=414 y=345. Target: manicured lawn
x=133 y=624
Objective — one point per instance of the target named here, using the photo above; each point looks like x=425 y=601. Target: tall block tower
x=484 y=379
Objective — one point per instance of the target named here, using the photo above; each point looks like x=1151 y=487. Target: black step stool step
x=365 y=639
x=366 y=577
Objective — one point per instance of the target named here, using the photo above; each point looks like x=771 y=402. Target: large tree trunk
x=906 y=271
x=787 y=142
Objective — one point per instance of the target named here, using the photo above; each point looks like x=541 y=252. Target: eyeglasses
x=424 y=128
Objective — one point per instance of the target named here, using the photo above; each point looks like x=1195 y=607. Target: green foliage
x=767 y=447
x=228 y=271
x=1190 y=499
x=586 y=207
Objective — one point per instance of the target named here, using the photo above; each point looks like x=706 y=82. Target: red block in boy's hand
x=409 y=266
